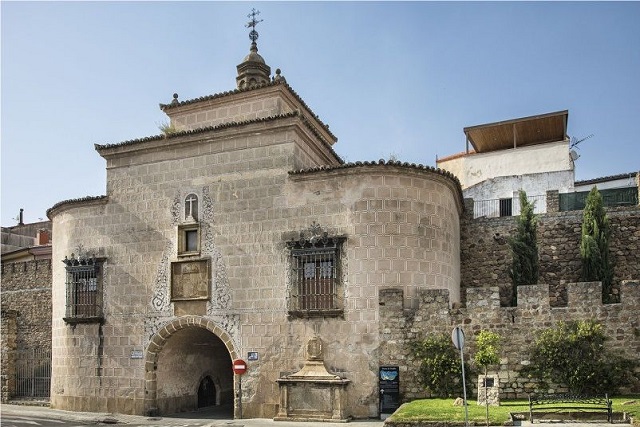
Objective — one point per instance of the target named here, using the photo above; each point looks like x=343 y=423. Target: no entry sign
x=239 y=367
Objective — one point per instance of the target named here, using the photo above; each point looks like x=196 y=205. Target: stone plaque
x=190 y=280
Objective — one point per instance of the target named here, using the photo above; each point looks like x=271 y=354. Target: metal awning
x=540 y=129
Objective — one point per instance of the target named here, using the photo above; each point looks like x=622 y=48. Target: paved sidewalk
x=211 y=419
x=207 y=419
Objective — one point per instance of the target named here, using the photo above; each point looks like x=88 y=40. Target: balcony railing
x=610 y=197
x=507 y=207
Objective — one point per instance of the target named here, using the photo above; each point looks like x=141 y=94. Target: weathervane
x=253 y=35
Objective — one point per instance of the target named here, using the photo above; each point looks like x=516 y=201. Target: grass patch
x=444 y=410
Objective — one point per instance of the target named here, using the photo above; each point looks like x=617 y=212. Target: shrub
x=440 y=370
x=594 y=244
x=487 y=354
x=574 y=355
x=487 y=349
x=524 y=248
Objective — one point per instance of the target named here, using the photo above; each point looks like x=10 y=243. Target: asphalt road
x=30 y=416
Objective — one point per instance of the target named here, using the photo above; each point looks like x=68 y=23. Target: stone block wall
x=401 y=225
x=26 y=288
x=231 y=111
x=26 y=314
x=8 y=343
x=518 y=327
x=486 y=256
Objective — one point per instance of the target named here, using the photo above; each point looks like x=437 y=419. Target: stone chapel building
x=239 y=233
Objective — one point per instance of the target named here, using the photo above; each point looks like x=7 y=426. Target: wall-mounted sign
x=252 y=355
x=136 y=354
x=239 y=367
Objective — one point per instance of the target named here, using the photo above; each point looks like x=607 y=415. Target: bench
x=556 y=403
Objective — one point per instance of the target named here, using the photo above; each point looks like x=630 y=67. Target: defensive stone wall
x=8 y=339
x=517 y=326
x=26 y=314
x=486 y=256
x=26 y=288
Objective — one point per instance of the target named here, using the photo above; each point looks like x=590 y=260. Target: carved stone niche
x=313 y=393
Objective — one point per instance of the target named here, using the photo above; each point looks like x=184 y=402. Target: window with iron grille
x=316 y=282
x=506 y=208
x=83 y=290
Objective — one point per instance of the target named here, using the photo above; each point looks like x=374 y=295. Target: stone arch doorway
x=207 y=393
x=179 y=358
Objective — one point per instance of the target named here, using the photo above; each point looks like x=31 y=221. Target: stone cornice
x=83 y=201
x=103 y=148
x=445 y=176
x=166 y=107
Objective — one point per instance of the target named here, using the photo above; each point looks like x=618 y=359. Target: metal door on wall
x=33 y=373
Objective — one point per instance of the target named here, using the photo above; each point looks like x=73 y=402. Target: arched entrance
x=206 y=393
x=188 y=366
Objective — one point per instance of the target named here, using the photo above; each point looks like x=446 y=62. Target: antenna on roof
x=575 y=141
x=574 y=144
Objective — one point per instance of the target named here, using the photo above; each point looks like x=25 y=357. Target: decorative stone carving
x=313 y=393
x=190 y=280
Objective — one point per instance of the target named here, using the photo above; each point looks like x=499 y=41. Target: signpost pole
x=240 y=396
x=239 y=367
x=458 y=341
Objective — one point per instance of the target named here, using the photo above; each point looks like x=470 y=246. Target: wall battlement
x=518 y=326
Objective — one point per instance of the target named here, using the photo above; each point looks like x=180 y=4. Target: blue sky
x=395 y=79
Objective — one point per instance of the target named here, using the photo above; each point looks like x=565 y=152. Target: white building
x=529 y=153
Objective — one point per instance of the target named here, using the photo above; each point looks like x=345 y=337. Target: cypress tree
x=594 y=244
x=524 y=248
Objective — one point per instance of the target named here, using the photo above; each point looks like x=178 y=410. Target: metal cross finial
x=253 y=34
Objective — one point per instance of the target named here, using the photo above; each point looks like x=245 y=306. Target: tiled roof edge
x=73 y=202
x=605 y=178
x=196 y=131
x=227 y=125
x=164 y=107
x=383 y=162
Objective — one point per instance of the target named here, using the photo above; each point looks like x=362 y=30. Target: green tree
x=440 y=370
x=487 y=354
x=594 y=244
x=575 y=355
x=524 y=248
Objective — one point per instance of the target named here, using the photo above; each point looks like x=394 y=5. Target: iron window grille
x=506 y=207
x=83 y=290
x=316 y=277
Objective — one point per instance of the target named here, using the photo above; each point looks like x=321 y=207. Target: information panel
x=389 y=385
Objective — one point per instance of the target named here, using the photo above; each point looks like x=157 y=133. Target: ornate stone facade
x=246 y=173
x=262 y=171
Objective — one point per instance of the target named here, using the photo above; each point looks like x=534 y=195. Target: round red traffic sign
x=239 y=367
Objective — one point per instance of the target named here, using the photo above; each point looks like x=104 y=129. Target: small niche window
x=188 y=239
x=191 y=208
x=83 y=289
x=316 y=282
x=506 y=207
